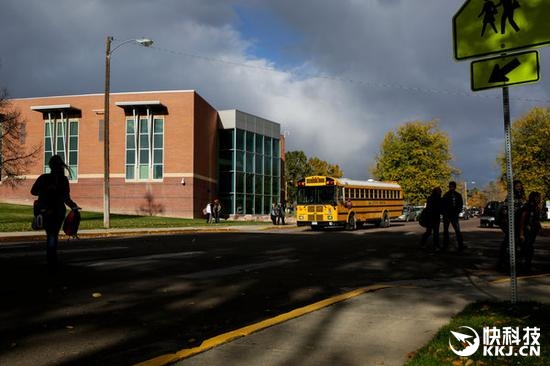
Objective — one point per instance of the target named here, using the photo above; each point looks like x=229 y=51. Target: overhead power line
x=369 y=84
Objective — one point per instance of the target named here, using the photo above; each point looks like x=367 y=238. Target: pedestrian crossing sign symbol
x=486 y=27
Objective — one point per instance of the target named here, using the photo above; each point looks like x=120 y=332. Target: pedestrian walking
x=430 y=219
x=208 y=212
x=281 y=214
x=274 y=213
x=53 y=193
x=217 y=209
x=452 y=204
x=528 y=228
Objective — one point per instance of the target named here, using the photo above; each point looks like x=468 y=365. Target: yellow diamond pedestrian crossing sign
x=486 y=27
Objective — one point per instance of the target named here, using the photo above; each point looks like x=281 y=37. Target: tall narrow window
x=144 y=147
x=61 y=138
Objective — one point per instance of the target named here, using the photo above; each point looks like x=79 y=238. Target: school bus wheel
x=384 y=221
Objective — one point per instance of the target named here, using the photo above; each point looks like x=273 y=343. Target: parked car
x=475 y=212
x=418 y=211
x=488 y=217
x=408 y=214
x=464 y=214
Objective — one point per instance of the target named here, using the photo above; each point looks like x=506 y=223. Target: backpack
x=71 y=223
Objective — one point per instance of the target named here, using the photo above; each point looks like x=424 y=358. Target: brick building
x=170 y=153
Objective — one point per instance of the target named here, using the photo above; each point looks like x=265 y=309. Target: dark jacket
x=53 y=193
x=452 y=204
x=433 y=209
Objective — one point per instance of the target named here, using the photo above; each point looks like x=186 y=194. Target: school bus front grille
x=315 y=217
x=311 y=209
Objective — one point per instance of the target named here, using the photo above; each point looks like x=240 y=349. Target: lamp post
x=466 y=192
x=106 y=162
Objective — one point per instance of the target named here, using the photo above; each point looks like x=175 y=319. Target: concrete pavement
x=383 y=324
x=380 y=325
x=115 y=232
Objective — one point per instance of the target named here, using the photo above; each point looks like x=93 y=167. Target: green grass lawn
x=489 y=314
x=18 y=218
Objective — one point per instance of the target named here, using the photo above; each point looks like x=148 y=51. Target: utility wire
x=394 y=86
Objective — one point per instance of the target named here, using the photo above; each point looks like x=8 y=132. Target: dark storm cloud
x=355 y=70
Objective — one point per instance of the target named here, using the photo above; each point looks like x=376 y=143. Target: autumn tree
x=15 y=158
x=417 y=156
x=298 y=166
x=531 y=151
x=321 y=167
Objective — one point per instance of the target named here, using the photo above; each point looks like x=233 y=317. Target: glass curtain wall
x=249 y=171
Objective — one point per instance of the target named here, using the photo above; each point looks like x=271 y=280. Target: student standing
x=528 y=229
x=452 y=205
x=431 y=217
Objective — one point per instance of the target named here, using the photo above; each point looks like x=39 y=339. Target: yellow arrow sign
x=496 y=72
x=485 y=27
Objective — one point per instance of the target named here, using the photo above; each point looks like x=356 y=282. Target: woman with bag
x=53 y=193
x=431 y=219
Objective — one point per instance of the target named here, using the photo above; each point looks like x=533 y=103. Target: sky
x=337 y=75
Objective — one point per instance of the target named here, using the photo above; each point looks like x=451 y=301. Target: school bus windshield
x=316 y=195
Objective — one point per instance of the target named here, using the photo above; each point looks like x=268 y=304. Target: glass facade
x=249 y=171
x=144 y=147
x=61 y=138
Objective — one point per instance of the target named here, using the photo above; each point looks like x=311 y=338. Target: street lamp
x=106 y=186
x=466 y=192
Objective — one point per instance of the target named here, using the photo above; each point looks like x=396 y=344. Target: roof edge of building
x=115 y=93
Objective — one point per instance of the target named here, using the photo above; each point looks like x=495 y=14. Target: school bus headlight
x=300 y=217
x=329 y=217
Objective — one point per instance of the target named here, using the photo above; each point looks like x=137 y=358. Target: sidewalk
x=383 y=326
x=114 y=232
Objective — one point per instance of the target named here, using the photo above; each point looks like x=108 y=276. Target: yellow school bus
x=330 y=202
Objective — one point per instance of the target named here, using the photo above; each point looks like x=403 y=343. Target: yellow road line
x=247 y=330
x=507 y=279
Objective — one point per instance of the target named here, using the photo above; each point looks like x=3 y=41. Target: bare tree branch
x=15 y=156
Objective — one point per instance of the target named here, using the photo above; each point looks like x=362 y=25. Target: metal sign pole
x=511 y=208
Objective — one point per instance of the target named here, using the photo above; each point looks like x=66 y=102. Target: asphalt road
x=119 y=301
